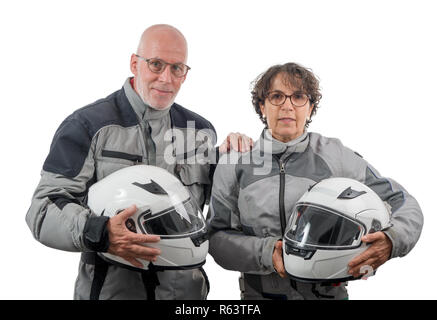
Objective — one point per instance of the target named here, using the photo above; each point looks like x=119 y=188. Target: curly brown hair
x=295 y=75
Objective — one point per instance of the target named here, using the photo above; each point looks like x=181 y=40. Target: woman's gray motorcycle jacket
x=93 y=142
x=253 y=196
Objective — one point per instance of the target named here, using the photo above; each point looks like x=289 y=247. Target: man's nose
x=165 y=75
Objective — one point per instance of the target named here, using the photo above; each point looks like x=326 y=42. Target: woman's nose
x=287 y=105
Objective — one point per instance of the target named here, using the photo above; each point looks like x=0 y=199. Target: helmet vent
x=151 y=187
x=350 y=193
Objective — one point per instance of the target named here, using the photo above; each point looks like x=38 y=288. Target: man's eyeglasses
x=158 y=66
x=297 y=99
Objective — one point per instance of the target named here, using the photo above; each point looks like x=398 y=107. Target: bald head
x=164 y=42
x=165 y=37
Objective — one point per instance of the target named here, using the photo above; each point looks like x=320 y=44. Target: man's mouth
x=162 y=91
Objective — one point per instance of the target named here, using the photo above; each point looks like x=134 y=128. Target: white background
x=375 y=60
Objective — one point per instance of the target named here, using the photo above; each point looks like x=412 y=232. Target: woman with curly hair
x=251 y=205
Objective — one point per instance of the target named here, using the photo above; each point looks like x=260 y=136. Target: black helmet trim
x=308 y=247
x=155 y=267
x=200 y=237
x=299 y=251
x=325 y=281
x=311 y=246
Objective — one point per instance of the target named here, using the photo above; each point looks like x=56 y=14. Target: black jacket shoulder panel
x=72 y=140
x=114 y=109
x=181 y=115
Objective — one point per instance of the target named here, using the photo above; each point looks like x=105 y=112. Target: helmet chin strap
x=149 y=277
x=150 y=281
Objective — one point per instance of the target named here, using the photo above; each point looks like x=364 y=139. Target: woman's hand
x=278 y=262
x=377 y=254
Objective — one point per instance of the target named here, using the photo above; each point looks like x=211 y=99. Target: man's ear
x=134 y=64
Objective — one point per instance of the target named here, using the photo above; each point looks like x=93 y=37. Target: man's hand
x=237 y=142
x=278 y=263
x=377 y=254
x=130 y=245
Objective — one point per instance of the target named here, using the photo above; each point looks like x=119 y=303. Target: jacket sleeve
x=406 y=214
x=229 y=245
x=57 y=217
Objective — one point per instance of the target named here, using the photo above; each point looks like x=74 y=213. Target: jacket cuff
x=267 y=253
x=391 y=235
x=95 y=234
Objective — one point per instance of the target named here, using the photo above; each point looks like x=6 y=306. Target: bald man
x=140 y=123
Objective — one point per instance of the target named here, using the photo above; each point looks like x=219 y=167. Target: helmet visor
x=320 y=227
x=180 y=220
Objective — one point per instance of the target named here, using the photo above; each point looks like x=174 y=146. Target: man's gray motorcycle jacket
x=253 y=196
x=93 y=142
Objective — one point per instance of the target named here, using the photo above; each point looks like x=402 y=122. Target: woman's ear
x=310 y=111
x=262 y=108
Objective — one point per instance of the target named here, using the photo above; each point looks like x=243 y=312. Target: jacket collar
x=143 y=111
x=268 y=144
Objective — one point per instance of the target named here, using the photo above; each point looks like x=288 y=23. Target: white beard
x=141 y=92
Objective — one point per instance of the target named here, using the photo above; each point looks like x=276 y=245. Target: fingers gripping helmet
x=164 y=208
x=324 y=231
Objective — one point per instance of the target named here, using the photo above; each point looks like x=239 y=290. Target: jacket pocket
x=110 y=161
x=122 y=155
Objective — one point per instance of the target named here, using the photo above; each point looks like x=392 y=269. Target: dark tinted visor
x=179 y=220
x=320 y=227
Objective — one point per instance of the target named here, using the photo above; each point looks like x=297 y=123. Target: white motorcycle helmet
x=165 y=208
x=324 y=231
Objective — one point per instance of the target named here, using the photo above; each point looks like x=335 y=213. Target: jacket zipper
x=281 y=195
x=282 y=191
x=149 y=144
